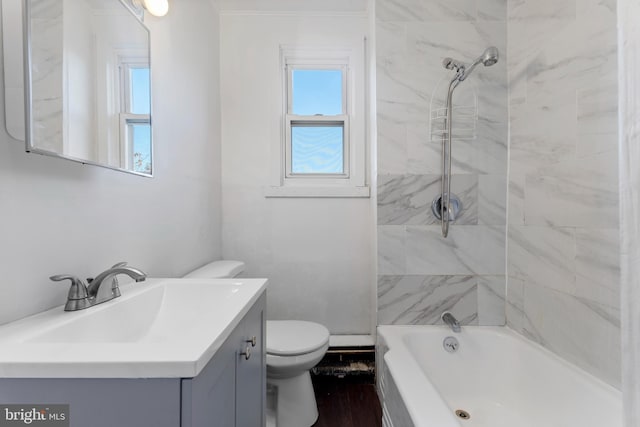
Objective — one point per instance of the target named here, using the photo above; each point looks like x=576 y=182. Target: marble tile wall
x=46 y=69
x=562 y=262
x=629 y=155
x=421 y=274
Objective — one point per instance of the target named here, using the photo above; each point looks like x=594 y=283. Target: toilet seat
x=294 y=337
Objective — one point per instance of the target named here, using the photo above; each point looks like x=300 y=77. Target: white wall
x=57 y=216
x=316 y=252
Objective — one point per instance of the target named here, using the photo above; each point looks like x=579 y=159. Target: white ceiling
x=293 y=5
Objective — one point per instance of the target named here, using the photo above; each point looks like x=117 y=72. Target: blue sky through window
x=141 y=135
x=316 y=148
x=140 y=90
x=317 y=92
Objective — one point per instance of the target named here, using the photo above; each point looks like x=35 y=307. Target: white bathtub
x=500 y=378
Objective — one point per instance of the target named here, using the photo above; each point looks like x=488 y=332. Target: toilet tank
x=217 y=270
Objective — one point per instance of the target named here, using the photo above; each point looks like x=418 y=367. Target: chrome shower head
x=488 y=58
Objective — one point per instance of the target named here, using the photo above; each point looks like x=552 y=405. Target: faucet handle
x=78 y=297
x=78 y=289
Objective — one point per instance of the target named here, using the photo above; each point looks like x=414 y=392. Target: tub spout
x=449 y=319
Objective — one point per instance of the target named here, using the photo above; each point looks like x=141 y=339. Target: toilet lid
x=294 y=337
x=217 y=269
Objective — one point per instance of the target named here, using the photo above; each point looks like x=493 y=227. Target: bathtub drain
x=463 y=414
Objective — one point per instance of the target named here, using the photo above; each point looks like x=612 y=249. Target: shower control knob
x=246 y=353
x=455 y=206
x=253 y=341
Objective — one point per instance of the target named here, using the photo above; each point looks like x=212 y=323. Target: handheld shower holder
x=446 y=206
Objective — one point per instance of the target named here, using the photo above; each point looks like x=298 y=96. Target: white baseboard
x=351 y=340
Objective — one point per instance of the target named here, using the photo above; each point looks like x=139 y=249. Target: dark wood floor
x=346 y=402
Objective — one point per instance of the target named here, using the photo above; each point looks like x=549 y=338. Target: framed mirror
x=88 y=83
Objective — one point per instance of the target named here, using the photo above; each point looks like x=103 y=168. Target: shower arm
x=446 y=159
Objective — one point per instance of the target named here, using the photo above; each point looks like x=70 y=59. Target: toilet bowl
x=293 y=348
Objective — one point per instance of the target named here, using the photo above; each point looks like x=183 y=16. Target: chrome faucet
x=120 y=268
x=82 y=296
x=449 y=319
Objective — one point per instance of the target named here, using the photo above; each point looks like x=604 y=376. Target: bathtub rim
x=410 y=379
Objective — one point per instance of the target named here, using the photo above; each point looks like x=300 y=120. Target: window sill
x=319 y=192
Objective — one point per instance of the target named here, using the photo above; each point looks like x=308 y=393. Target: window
x=322 y=147
x=317 y=143
x=135 y=119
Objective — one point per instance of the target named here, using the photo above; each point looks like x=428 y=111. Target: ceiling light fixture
x=155 y=7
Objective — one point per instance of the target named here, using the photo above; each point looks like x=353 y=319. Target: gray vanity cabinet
x=231 y=390
x=251 y=380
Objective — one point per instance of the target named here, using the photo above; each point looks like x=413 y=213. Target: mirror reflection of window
x=135 y=119
x=90 y=84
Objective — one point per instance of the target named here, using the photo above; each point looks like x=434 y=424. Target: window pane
x=140 y=90
x=317 y=149
x=316 y=92
x=140 y=134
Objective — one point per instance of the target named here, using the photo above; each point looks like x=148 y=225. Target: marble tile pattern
x=561 y=103
x=629 y=155
x=421 y=299
x=46 y=73
x=562 y=262
x=422 y=274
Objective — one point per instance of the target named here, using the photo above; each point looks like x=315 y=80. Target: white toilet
x=293 y=348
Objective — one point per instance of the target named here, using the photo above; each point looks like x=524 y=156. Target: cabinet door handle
x=246 y=353
x=253 y=341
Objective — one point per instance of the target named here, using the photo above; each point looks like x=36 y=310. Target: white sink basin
x=159 y=328
x=125 y=320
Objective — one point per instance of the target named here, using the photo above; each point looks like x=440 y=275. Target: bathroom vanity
x=231 y=390
x=168 y=353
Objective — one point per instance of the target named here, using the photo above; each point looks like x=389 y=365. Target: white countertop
x=160 y=328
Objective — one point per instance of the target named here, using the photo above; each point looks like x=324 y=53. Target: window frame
x=321 y=121
x=350 y=183
x=127 y=153
x=125 y=64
